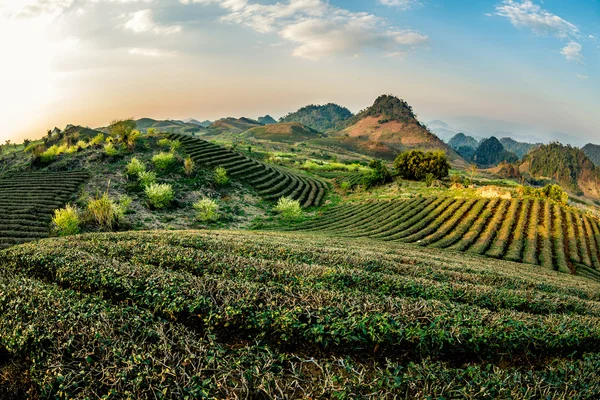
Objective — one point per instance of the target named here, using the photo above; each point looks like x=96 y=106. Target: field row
x=272 y=182
x=146 y=312
x=27 y=201
x=531 y=231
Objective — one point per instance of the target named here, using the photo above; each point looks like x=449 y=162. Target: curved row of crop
x=531 y=231
x=270 y=181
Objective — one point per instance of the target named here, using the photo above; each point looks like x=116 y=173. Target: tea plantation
x=532 y=231
x=27 y=201
x=229 y=314
x=270 y=181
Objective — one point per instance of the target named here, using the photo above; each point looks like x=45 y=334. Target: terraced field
x=225 y=314
x=272 y=182
x=353 y=178
x=529 y=231
x=27 y=201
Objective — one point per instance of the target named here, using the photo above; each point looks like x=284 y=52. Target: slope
x=232 y=125
x=592 y=151
x=290 y=132
x=323 y=118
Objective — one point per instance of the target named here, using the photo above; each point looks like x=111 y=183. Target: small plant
x=175 y=145
x=164 y=142
x=146 y=178
x=188 y=166
x=82 y=144
x=290 y=210
x=110 y=150
x=221 y=177
x=50 y=154
x=159 y=194
x=98 y=139
x=104 y=211
x=66 y=221
x=206 y=210
x=429 y=179
x=345 y=186
x=163 y=160
x=123 y=205
x=135 y=167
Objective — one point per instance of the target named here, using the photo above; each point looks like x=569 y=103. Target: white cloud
x=582 y=77
x=149 y=52
x=401 y=4
x=142 y=21
x=529 y=15
x=319 y=29
x=572 y=52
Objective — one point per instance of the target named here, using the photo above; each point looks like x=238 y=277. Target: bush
x=134 y=167
x=188 y=166
x=163 y=160
x=98 y=139
x=290 y=210
x=110 y=150
x=415 y=165
x=345 y=186
x=104 y=211
x=159 y=195
x=429 y=179
x=66 y=221
x=50 y=154
x=221 y=177
x=175 y=145
x=551 y=191
x=380 y=175
x=146 y=178
x=164 y=142
x=82 y=144
x=207 y=210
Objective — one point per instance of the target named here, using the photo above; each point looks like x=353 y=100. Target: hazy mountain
x=519 y=148
x=592 y=151
x=204 y=124
x=324 y=118
x=462 y=140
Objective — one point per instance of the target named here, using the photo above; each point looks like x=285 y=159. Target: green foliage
x=387 y=108
x=288 y=209
x=188 y=166
x=110 y=150
x=164 y=142
x=322 y=118
x=135 y=167
x=123 y=131
x=415 y=165
x=146 y=178
x=220 y=176
x=491 y=152
x=163 y=161
x=66 y=221
x=160 y=195
x=345 y=186
x=429 y=179
x=551 y=191
x=175 y=145
x=104 y=211
x=379 y=175
x=97 y=140
x=207 y=210
x=51 y=154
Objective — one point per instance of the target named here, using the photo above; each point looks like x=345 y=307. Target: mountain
x=462 y=140
x=490 y=152
x=441 y=129
x=267 y=120
x=284 y=132
x=143 y=124
x=232 y=125
x=567 y=165
x=328 y=117
x=392 y=122
x=519 y=148
x=204 y=124
x=592 y=151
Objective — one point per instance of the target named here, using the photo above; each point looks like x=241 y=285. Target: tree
x=472 y=171
x=415 y=165
x=379 y=176
x=122 y=130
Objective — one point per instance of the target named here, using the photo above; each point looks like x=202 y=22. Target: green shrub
x=98 y=139
x=163 y=160
x=66 y=221
x=50 y=154
x=429 y=179
x=104 y=211
x=345 y=186
x=175 y=145
x=206 y=210
x=135 y=167
x=146 y=178
x=110 y=150
x=556 y=193
x=188 y=166
x=82 y=144
x=164 y=142
x=123 y=205
x=221 y=177
x=380 y=175
x=290 y=210
x=415 y=165
x=159 y=194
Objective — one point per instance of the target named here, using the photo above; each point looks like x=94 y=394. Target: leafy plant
x=66 y=221
x=146 y=178
x=160 y=195
x=207 y=210
x=289 y=210
x=188 y=166
x=104 y=211
x=221 y=177
x=135 y=167
x=110 y=150
x=98 y=139
x=163 y=161
x=415 y=165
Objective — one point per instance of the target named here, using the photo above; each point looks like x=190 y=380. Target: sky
x=528 y=67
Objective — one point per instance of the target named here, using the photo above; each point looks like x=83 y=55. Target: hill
x=461 y=140
x=519 y=148
x=232 y=125
x=490 y=153
x=204 y=124
x=391 y=121
x=569 y=166
x=143 y=124
x=290 y=132
x=266 y=120
x=290 y=316
x=592 y=151
x=323 y=118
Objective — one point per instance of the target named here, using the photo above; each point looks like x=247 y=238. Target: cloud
x=142 y=21
x=529 y=15
x=401 y=4
x=319 y=29
x=149 y=52
x=572 y=52
x=582 y=77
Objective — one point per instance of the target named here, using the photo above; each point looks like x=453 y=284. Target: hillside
x=290 y=316
x=592 y=151
x=232 y=125
x=490 y=153
x=569 y=166
x=289 y=132
x=461 y=140
x=266 y=120
x=392 y=122
x=323 y=118
x=519 y=148
x=171 y=126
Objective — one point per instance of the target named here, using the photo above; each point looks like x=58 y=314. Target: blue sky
x=529 y=67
